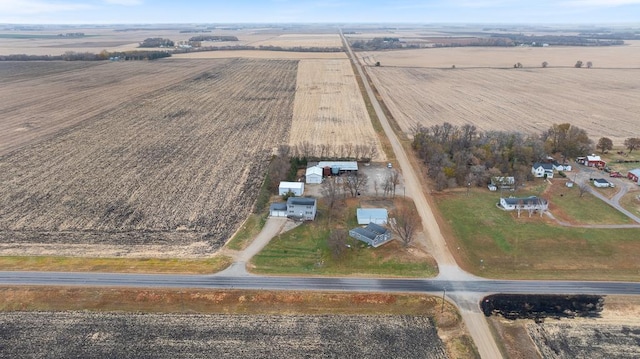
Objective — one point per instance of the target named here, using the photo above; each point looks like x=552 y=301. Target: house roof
x=635 y=172
x=315 y=170
x=593 y=158
x=301 y=201
x=278 y=206
x=546 y=166
x=516 y=200
x=370 y=231
x=343 y=165
x=299 y=185
x=601 y=180
x=365 y=233
x=372 y=213
x=376 y=228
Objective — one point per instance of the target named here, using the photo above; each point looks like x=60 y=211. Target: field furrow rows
x=188 y=159
x=329 y=109
x=603 y=102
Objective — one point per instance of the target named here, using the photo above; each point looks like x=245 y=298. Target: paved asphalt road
x=433 y=286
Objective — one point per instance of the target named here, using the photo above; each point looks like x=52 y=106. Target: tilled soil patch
x=118 y=335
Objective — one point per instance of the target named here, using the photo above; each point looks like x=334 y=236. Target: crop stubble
x=329 y=109
x=179 y=166
x=41 y=98
x=604 y=102
x=85 y=334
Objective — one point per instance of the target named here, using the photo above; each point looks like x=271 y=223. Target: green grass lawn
x=304 y=250
x=566 y=204
x=128 y=265
x=249 y=230
x=495 y=243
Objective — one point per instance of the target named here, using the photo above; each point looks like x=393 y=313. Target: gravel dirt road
x=475 y=321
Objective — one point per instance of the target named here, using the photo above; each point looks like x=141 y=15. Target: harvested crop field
x=503 y=57
x=117 y=335
x=180 y=166
x=302 y=40
x=584 y=340
x=329 y=108
x=260 y=54
x=41 y=98
x=615 y=333
x=603 y=102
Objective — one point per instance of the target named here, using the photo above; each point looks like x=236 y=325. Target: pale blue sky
x=269 y=11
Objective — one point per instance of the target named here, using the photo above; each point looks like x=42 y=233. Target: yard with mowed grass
x=567 y=205
x=305 y=250
x=493 y=243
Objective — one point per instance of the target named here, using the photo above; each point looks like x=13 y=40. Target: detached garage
x=278 y=210
x=372 y=215
x=297 y=188
x=314 y=175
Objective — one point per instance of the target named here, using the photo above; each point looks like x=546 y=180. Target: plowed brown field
x=40 y=98
x=179 y=165
x=604 y=102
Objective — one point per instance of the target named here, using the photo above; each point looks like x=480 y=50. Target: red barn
x=595 y=161
x=634 y=175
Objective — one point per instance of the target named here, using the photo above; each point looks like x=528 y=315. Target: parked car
x=615 y=174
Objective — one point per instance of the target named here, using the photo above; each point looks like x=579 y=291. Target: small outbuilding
x=373 y=234
x=313 y=175
x=602 y=183
x=297 y=188
x=372 y=215
x=339 y=167
x=634 y=175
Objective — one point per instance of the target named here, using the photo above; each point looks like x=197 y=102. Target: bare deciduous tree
x=545 y=64
x=354 y=183
x=331 y=192
x=583 y=188
x=404 y=223
x=337 y=243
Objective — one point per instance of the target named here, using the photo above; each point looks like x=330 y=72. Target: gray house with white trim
x=302 y=208
x=373 y=234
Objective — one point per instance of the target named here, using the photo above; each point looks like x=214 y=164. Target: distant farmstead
x=373 y=234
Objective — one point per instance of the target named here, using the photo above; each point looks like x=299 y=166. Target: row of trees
x=606 y=144
x=464 y=156
x=89 y=56
x=156 y=42
x=214 y=38
x=308 y=151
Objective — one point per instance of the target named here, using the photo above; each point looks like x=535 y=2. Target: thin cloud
x=124 y=2
x=32 y=7
x=599 y=3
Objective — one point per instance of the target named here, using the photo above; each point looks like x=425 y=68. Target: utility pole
x=444 y=292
